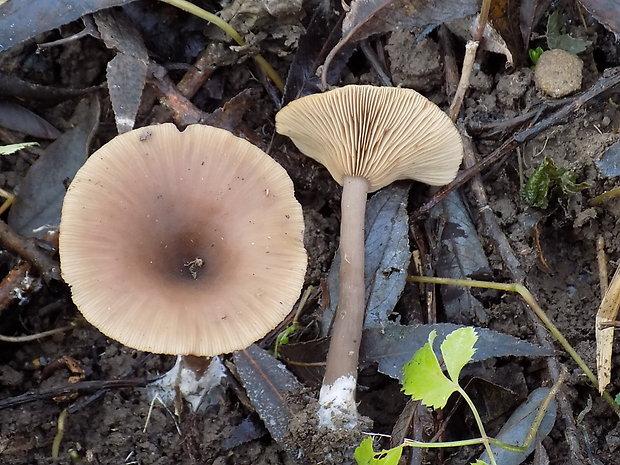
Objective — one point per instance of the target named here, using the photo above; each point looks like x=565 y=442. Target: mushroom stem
x=337 y=396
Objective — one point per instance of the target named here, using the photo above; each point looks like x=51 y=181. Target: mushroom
x=182 y=242
x=367 y=137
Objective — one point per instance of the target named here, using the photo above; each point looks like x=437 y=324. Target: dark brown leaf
x=126 y=72
x=18 y=118
x=12 y=86
x=387 y=257
x=606 y=12
x=23 y=19
x=268 y=384
x=460 y=256
x=530 y=14
x=42 y=191
x=394 y=345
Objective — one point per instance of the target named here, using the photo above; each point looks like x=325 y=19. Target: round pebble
x=558 y=73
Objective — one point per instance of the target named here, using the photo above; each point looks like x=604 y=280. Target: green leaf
x=547 y=178
x=535 y=54
x=12 y=148
x=555 y=38
x=365 y=455
x=423 y=378
x=617 y=399
x=458 y=350
x=284 y=338
x=479 y=462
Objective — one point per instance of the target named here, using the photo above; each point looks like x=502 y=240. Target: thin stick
x=468 y=62
x=34 y=337
x=60 y=431
x=82 y=386
x=601 y=258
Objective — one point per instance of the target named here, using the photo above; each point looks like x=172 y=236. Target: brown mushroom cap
x=182 y=242
x=379 y=133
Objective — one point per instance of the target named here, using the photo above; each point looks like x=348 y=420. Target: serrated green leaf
x=12 y=148
x=555 y=38
x=365 y=455
x=423 y=378
x=547 y=178
x=458 y=350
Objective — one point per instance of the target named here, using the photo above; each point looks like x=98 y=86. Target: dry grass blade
x=607 y=313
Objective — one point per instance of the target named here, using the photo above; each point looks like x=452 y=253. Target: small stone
x=608 y=164
x=558 y=73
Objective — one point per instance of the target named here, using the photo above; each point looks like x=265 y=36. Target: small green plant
x=535 y=54
x=424 y=380
x=617 y=399
x=284 y=336
x=546 y=179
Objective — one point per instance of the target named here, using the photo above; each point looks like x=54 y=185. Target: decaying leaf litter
x=78 y=91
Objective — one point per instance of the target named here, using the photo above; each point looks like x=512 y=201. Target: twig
x=80 y=387
x=183 y=111
x=81 y=403
x=197 y=74
x=450 y=67
x=34 y=337
x=195 y=77
x=601 y=258
x=27 y=248
x=468 y=62
x=60 y=427
x=502 y=245
x=493 y=128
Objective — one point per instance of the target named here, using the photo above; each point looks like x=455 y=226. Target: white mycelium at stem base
x=337 y=403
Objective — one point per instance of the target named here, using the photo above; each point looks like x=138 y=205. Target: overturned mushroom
x=182 y=242
x=367 y=137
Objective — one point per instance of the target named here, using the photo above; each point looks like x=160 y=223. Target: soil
x=556 y=247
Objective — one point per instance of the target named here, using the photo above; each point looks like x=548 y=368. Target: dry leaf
x=607 y=312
